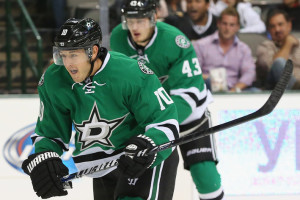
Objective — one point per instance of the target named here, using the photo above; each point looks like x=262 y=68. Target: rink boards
x=258 y=158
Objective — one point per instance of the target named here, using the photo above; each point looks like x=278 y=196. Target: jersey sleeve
x=54 y=126
x=154 y=109
x=187 y=87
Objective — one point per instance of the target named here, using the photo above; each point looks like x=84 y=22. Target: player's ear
x=95 y=52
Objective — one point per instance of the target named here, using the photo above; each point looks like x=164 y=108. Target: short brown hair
x=231 y=12
x=277 y=12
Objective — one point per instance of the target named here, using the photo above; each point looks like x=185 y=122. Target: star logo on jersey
x=96 y=130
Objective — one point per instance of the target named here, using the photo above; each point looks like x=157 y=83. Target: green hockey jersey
x=123 y=99
x=173 y=59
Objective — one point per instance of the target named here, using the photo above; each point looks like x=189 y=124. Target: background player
x=168 y=52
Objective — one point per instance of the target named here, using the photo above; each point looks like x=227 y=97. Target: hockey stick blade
x=267 y=108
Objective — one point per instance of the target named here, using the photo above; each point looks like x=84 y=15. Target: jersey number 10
x=161 y=94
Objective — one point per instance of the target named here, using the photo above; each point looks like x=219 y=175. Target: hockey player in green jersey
x=118 y=108
x=168 y=52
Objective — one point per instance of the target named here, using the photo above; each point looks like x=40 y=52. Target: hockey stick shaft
x=267 y=108
x=264 y=110
x=91 y=170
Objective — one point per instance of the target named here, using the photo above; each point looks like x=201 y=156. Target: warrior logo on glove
x=40 y=158
x=45 y=170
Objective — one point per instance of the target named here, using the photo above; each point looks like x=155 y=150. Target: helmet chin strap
x=92 y=62
x=92 y=67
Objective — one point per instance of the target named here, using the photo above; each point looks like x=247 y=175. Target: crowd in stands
x=214 y=26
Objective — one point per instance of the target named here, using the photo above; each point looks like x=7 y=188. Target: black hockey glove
x=134 y=163
x=45 y=170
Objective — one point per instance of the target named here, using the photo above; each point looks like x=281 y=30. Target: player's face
x=196 y=9
x=279 y=28
x=228 y=26
x=77 y=64
x=140 y=29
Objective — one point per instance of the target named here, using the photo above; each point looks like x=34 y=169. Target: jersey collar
x=107 y=57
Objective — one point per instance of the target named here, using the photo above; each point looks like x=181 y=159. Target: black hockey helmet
x=77 y=34
x=138 y=8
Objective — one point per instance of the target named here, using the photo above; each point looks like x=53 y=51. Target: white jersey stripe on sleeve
x=59 y=141
x=194 y=90
x=197 y=110
x=168 y=132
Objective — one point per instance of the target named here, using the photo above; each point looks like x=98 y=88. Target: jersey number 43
x=186 y=68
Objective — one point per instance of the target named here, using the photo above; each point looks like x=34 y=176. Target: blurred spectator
x=197 y=21
x=272 y=54
x=250 y=20
x=292 y=7
x=223 y=50
x=175 y=7
x=217 y=6
x=162 y=9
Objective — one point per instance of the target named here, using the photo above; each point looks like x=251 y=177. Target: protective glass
x=74 y=56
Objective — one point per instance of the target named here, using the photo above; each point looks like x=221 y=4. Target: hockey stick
x=267 y=108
